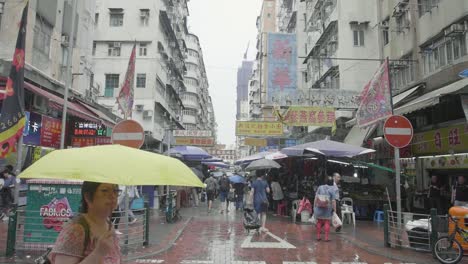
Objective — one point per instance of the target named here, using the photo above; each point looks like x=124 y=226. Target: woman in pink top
x=90 y=238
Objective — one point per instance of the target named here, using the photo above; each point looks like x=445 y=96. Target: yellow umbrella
x=112 y=164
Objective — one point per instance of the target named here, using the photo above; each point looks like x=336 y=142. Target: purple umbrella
x=190 y=153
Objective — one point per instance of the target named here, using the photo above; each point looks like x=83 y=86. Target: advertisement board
x=441 y=141
x=258 y=128
x=50 y=133
x=194 y=141
x=309 y=116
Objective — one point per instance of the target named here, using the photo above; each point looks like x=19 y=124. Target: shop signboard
x=84 y=129
x=103 y=131
x=194 y=141
x=447 y=162
x=32 y=135
x=50 y=204
x=50 y=132
x=453 y=139
x=79 y=142
x=289 y=143
x=258 y=128
x=103 y=141
x=256 y=142
x=192 y=133
x=310 y=116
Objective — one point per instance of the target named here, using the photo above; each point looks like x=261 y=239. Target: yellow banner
x=310 y=116
x=441 y=141
x=257 y=142
x=252 y=128
x=194 y=141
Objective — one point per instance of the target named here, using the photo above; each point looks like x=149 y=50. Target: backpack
x=323 y=200
x=211 y=184
x=224 y=185
x=44 y=259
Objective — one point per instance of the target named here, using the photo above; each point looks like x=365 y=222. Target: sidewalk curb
x=169 y=246
x=378 y=252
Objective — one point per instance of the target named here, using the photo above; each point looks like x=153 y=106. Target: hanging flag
x=125 y=98
x=376 y=98
x=12 y=117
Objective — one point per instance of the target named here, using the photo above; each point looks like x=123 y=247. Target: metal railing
x=416 y=231
x=30 y=234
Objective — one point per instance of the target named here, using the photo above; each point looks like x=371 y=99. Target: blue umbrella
x=216 y=164
x=190 y=153
x=237 y=179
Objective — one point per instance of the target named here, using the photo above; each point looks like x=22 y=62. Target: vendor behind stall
x=434 y=194
x=461 y=192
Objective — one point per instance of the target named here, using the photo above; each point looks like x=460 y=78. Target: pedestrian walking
x=7 y=193
x=132 y=194
x=324 y=206
x=277 y=192
x=90 y=238
x=336 y=187
x=260 y=201
x=239 y=192
x=211 y=187
x=224 y=187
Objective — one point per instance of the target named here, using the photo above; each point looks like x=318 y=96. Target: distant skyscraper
x=244 y=73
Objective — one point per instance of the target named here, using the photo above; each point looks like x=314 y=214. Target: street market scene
x=234 y=131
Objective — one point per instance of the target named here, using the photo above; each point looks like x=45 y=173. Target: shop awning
x=431 y=98
x=106 y=119
x=57 y=103
x=356 y=135
x=399 y=97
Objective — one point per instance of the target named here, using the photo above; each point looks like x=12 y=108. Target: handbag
x=336 y=221
x=322 y=200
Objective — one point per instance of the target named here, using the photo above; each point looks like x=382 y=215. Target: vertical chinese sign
x=50 y=133
x=282 y=68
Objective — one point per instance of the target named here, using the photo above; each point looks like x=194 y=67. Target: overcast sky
x=224 y=28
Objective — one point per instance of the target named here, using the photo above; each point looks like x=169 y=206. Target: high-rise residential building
x=170 y=80
x=244 y=73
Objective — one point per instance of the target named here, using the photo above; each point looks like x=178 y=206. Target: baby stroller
x=251 y=221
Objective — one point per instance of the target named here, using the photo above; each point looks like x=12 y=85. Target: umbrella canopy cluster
x=112 y=164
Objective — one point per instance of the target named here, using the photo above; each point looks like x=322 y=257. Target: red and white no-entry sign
x=128 y=133
x=398 y=131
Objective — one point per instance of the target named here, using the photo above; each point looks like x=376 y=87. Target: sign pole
x=398 y=184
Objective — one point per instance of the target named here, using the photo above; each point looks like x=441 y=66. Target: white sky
x=224 y=28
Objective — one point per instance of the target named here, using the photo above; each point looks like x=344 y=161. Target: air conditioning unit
x=40 y=103
x=65 y=40
x=147 y=114
x=455 y=29
x=117 y=44
x=139 y=107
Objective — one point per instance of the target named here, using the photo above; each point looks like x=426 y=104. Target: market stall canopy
x=112 y=164
x=256 y=156
x=327 y=148
x=190 y=153
x=263 y=164
x=276 y=155
x=216 y=164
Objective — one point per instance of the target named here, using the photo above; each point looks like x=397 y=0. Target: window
x=116 y=17
x=143 y=49
x=141 y=80
x=144 y=17
x=94 y=48
x=358 y=37
x=426 y=6
x=112 y=82
x=42 y=36
x=191 y=81
x=193 y=53
x=96 y=19
x=2 y=6
x=443 y=52
x=114 y=49
x=385 y=31
x=402 y=22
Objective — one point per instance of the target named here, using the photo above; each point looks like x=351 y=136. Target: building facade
x=244 y=73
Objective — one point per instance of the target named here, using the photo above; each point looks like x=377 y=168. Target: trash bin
x=418 y=234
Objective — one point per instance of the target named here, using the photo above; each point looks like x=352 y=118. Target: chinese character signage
x=441 y=141
x=49 y=206
x=376 y=99
x=84 y=129
x=103 y=141
x=103 y=131
x=194 y=141
x=309 y=116
x=282 y=69
x=32 y=135
x=447 y=162
x=79 y=142
x=50 y=132
x=336 y=98
x=257 y=142
x=192 y=133
x=252 y=128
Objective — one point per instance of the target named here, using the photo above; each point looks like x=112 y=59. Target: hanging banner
x=282 y=69
x=32 y=135
x=376 y=99
x=464 y=102
x=309 y=116
x=193 y=141
x=441 y=141
x=253 y=128
x=192 y=133
x=256 y=142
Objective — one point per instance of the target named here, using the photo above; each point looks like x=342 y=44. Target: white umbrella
x=263 y=164
x=276 y=155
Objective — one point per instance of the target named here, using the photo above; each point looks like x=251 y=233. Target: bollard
x=434 y=224
x=11 y=236
x=147 y=224
x=386 y=235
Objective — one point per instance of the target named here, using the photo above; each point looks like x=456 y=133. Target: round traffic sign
x=398 y=131
x=128 y=133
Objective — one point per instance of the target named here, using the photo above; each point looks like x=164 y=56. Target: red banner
x=376 y=98
x=50 y=133
x=125 y=98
